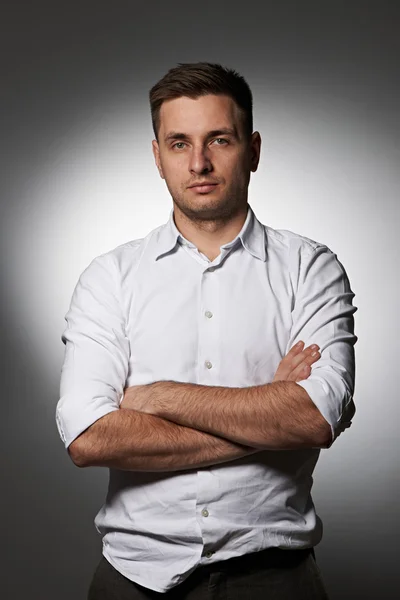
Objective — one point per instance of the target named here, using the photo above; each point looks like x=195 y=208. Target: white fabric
x=141 y=313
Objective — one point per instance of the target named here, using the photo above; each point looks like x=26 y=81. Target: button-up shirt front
x=157 y=309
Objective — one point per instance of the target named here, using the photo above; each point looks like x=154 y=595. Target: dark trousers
x=272 y=574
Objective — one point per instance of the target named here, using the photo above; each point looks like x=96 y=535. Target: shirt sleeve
x=323 y=314
x=96 y=358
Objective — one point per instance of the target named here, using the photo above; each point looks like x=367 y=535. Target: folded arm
x=133 y=441
x=93 y=427
x=285 y=414
x=274 y=416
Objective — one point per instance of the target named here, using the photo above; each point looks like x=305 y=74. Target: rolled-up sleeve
x=96 y=357
x=323 y=314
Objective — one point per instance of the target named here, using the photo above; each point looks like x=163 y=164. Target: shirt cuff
x=70 y=426
x=333 y=401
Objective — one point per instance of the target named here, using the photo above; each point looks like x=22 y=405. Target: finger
x=303 y=370
x=285 y=366
x=288 y=363
x=292 y=359
x=295 y=349
x=303 y=373
x=299 y=358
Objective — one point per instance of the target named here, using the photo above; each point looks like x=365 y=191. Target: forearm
x=130 y=440
x=274 y=416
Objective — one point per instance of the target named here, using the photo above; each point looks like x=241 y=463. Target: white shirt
x=157 y=309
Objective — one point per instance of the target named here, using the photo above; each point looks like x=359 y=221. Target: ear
x=156 y=152
x=255 y=145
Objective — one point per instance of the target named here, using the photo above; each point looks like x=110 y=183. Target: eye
x=177 y=143
x=221 y=140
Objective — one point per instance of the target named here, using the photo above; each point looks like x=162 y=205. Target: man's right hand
x=296 y=365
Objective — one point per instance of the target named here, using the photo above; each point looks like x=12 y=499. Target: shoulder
x=126 y=256
x=303 y=257
x=292 y=243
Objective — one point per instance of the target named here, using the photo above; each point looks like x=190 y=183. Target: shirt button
x=208 y=314
x=208 y=364
x=209 y=554
x=205 y=512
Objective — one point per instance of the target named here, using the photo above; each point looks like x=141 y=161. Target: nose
x=200 y=162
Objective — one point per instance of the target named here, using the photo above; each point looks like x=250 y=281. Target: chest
x=227 y=326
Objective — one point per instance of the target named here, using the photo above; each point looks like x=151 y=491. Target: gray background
x=78 y=178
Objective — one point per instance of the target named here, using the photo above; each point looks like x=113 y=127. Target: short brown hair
x=199 y=79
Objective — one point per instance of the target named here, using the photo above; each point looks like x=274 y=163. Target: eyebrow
x=174 y=135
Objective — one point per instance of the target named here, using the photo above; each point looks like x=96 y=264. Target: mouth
x=204 y=189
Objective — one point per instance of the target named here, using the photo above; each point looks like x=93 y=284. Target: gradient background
x=78 y=178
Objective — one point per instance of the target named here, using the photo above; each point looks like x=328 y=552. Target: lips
x=204 y=188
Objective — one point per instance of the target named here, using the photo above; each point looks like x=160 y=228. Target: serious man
x=206 y=365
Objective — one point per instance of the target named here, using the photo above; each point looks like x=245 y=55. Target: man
x=206 y=365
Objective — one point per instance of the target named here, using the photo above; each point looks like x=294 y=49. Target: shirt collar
x=252 y=237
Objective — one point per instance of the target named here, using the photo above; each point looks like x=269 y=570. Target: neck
x=209 y=235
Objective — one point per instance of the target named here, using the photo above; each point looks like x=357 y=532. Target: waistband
x=267 y=558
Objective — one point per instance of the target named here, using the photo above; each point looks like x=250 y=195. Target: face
x=202 y=141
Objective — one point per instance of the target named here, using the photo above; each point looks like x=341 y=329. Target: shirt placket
x=209 y=332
